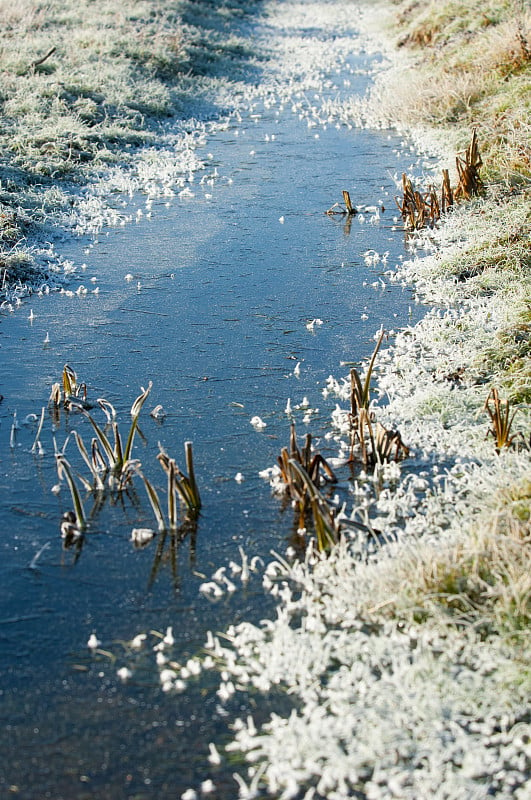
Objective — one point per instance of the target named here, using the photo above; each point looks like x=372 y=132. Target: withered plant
x=420 y=209
x=377 y=444
x=348 y=210
x=180 y=486
x=501 y=417
x=412 y=206
x=69 y=388
x=185 y=485
x=468 y=166
x=315 y=468
x=110 y=461
x=326 y=525
x=314 y=464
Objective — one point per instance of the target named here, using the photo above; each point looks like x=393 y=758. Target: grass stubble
x=409 y=666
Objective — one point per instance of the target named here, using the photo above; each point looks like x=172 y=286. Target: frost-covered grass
x=480 y=271
x=76 y=110
x=382 y=709
x=88 y=86
x=468 y=65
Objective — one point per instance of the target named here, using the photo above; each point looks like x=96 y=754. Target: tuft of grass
x=180 y=486
x=377 y=444
x=487 y=580
x=478 y=579
x=502 y=418
x=181 y=483
x=111 y=461
x=313 y=468
x=326 y=525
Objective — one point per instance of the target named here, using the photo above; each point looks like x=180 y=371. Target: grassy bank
x=469 y=67
x=81 y=83
x=85 y=86
x=472 y=69
x=473 y=62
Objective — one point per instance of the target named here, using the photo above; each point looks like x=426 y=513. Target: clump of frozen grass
x=481 y=268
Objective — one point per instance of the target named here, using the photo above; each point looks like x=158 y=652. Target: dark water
x=215 y=316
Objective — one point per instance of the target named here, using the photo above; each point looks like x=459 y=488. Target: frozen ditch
x=230 y=289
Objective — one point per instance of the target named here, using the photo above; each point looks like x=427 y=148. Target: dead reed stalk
x=468 y=166
x=501 y=417
x=418 y=210
x=337 y=208
x=314 y=469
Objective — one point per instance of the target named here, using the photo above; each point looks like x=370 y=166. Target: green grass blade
x=196 y=498
x=324 y=532
x=103 y=439
x=88 y=461
x=155 y=503
x=135 y=411
x=325 y=529
x=64 y=470
x=118 y=449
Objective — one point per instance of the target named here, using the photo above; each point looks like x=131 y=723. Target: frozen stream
x=210 y=297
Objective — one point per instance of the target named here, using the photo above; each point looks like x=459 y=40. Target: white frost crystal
x=93 y=642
